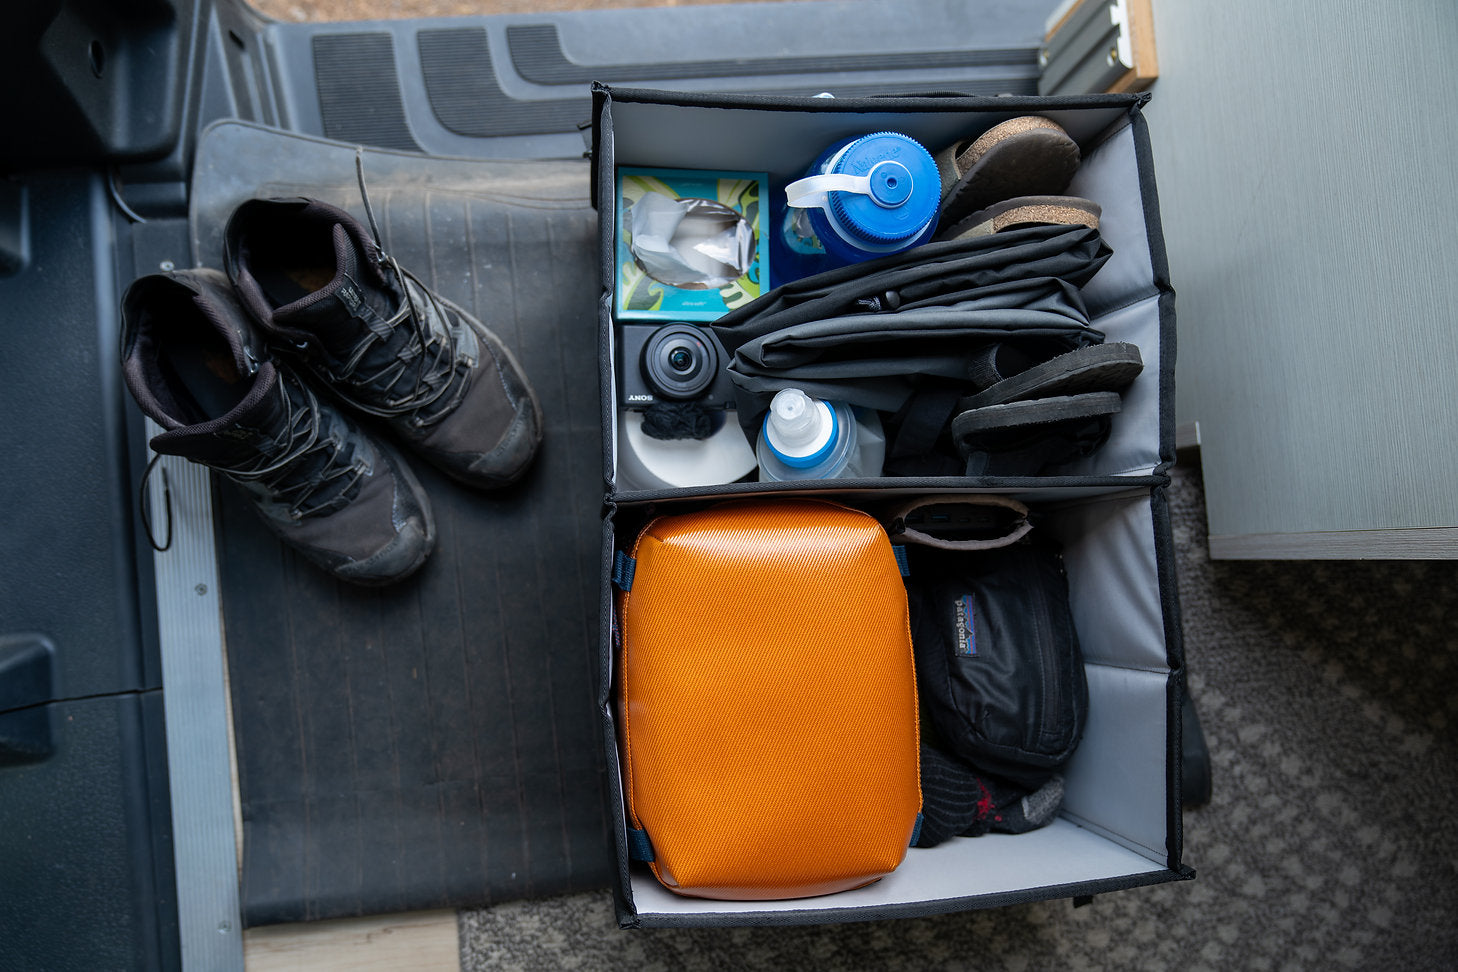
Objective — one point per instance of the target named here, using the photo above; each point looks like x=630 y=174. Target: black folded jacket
x=871 y=334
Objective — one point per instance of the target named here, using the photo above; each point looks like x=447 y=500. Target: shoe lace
x=418 y=368
x=312 y=473
x=320 y=482
x=142 y=504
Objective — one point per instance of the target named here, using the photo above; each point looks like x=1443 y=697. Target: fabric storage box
x=1120 y=824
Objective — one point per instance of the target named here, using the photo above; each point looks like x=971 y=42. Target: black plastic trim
x=1159 y=266
x=1169 y=599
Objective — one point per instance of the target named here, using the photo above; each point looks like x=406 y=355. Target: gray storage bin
x=1120 y=824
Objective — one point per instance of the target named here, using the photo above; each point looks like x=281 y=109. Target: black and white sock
x=956 y=800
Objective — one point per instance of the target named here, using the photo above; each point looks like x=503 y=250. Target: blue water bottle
x=863 y=198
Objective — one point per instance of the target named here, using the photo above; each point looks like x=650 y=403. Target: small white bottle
x=806 y=438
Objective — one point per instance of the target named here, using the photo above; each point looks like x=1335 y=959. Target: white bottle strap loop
x=813 y=192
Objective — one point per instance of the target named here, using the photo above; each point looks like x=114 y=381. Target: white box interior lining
x=1109 y=175
x=964 y=867
x=1116 y=781
x=1113 y=580
x=784 y=143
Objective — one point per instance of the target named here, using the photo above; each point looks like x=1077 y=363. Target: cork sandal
x=1025 y=156
x=1025 y=211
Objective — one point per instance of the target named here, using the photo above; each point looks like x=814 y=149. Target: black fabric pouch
x=998 y=664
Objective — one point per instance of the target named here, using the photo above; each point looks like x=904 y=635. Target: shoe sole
x=972 y=428
x=1097 y=368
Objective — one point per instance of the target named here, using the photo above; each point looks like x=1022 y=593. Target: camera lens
x=679 y=362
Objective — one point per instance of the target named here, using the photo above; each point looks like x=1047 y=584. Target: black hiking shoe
x=323 y=289
x=342 y=499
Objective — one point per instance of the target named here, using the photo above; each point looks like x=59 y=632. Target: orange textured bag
x=768 y=721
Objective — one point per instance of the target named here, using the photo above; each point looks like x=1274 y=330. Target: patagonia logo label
x=964 y=626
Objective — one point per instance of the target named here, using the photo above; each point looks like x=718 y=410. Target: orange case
x=768 y=700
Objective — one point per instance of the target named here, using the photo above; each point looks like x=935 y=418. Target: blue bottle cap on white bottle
x=800 y=431
x=905 y=189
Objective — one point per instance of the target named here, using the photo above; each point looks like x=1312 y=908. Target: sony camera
x=676 y=362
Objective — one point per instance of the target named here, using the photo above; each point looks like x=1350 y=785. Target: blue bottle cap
x=906 y=189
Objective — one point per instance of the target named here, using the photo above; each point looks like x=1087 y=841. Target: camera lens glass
x=679 y=362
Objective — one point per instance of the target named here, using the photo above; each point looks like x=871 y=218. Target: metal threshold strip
x=195 y=700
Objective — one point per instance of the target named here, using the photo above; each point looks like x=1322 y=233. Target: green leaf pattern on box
x=638 y=292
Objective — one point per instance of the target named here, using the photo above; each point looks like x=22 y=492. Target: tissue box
x=690 y=243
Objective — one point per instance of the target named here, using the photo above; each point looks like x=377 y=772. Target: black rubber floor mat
x=432 y=744
x=537 y=55
x=468 y=99
x=516 y=85
x=359 y=90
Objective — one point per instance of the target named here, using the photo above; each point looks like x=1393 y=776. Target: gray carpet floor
x=1328 y=692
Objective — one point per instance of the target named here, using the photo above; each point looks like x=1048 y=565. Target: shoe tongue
x=234 y=330
x=235 y=436
x=332 y=312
